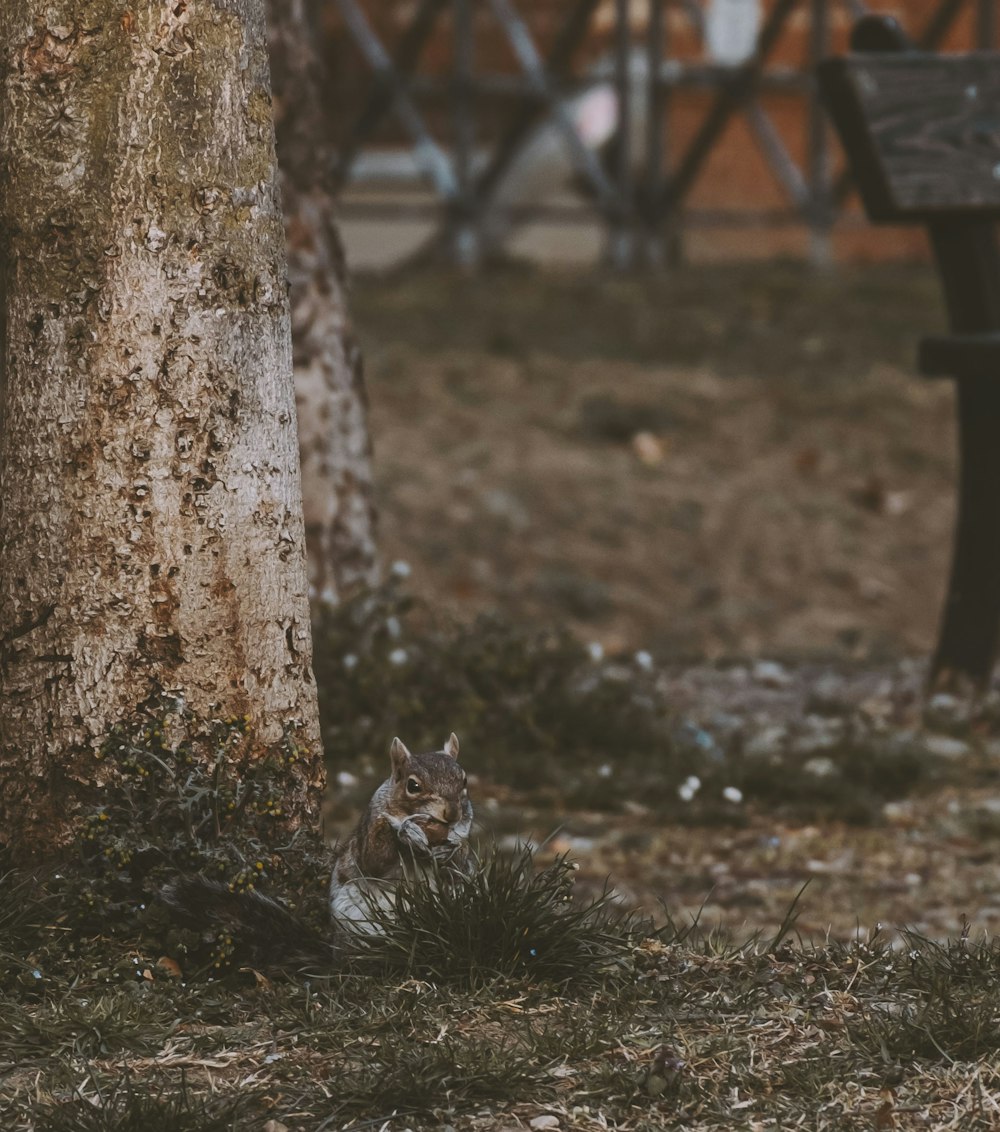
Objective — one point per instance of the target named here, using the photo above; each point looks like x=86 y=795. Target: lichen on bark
x=151 y=534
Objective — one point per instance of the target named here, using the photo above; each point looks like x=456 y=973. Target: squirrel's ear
x=400 y=757
x=451 y=747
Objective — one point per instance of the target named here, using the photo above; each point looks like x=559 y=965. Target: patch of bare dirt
x=704 y=503
x=928 y=867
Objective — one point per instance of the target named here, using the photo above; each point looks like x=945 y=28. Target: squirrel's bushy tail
x=264 y=932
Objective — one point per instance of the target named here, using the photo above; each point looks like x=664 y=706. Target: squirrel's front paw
x=411 y=834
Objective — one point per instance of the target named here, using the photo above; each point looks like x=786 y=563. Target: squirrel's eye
x=412 y=786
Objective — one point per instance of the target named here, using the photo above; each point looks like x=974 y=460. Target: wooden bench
x=922 y=137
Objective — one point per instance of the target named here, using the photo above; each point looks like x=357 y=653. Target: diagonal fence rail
x=639 y=184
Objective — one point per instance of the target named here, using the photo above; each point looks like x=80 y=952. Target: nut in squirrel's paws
x=435 y=831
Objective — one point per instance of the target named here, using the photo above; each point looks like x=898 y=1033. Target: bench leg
x=970 y=628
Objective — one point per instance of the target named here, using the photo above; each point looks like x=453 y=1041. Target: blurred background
x=568 y=132
x=669 y=396
x=640 y=371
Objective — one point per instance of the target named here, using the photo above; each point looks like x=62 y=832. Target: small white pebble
x=771 y=674
x=596 y=650
x=540 y=1123
x=398 y=656
x=350 y=661
x=689 y=787
x=400 y=568
x=604 y=770
x=393 y=627
x=644 y=660
x=733 y=794
x=345 y=778
x=821 y=766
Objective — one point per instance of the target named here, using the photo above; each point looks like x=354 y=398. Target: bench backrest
x=921 y=131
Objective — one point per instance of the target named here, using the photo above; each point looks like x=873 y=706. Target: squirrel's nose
x=451 y=813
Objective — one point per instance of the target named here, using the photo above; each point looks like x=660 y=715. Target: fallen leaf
x=807 y=461
x=648 y=448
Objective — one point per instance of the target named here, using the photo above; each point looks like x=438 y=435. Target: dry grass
x=693 y=1031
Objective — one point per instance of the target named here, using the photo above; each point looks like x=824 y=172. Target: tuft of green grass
x=183 y=796
x=506 y=920
x=940 y=1001
x=125 y=1107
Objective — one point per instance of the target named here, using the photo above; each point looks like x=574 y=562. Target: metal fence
x=637 y=186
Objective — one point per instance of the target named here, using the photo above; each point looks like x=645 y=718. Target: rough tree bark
x=151 y=534
x=329 y=382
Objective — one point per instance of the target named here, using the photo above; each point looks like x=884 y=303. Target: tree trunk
x=329 y=384
x=151 y=534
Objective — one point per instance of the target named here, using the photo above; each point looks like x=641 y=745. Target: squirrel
x=418 y=819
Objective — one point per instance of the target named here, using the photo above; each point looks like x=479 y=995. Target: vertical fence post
x=986 y=25
x=819 y=209
x=465 y=241
x=621 y=227
x=657 y=144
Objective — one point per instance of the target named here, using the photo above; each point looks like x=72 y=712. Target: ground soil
x=716 y=466
x=731 y=462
